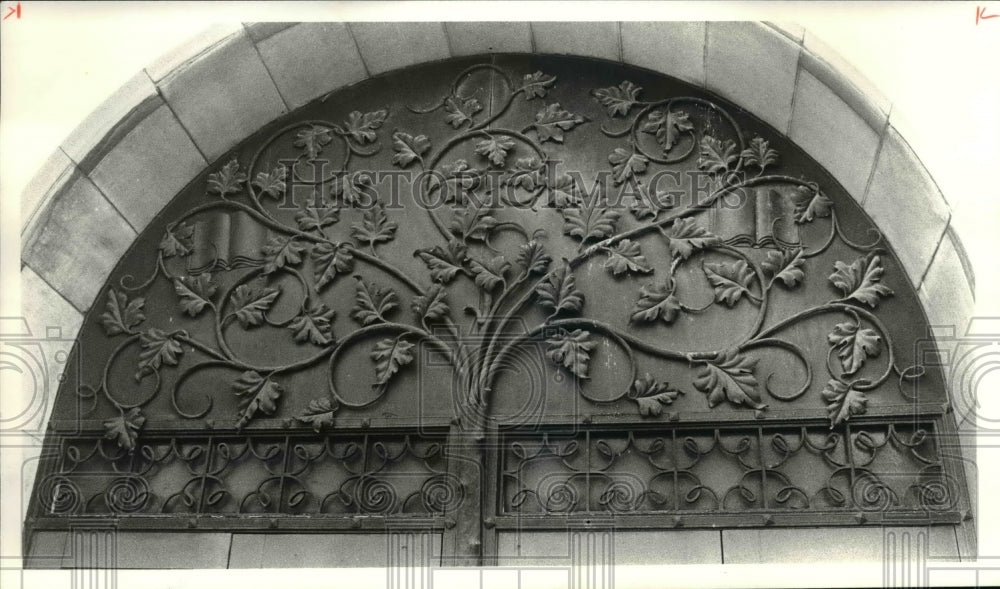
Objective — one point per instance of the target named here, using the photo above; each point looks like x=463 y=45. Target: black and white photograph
x=499 y=294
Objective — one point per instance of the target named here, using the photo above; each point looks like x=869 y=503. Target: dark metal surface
x=715 y=331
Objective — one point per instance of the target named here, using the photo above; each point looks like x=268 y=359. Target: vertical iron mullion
x=849 y=454
x=676 y=469
x=490 y=507
x=763 y=467
x=586 y=434
x=364 y=449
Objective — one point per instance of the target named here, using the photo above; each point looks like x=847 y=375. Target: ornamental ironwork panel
x=288 y=475
x=378 y=307
x=735 y=470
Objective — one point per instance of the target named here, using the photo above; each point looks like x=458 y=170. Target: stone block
x=47 y=313
x=847 y=82
x=137 y=97
x=906 y=205
x=834 y=134
x=832 y=544
x=47 y=550
x=946 y=292
x=172 y=550
x=77 y=240
x=262 y=30
x=51 y=324
x=222 y=95
x=947 y=295
x=674 y=48
x=792 y=30
x=593 y=39
x=471 y=38
x=311 y=59
x=387 y=46
x=148 y=167
x=333 y=550
x=192 y=49
x=754 y=66
x=631 y=547
x=50 y=179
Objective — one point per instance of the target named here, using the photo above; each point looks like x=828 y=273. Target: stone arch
x=177 y=117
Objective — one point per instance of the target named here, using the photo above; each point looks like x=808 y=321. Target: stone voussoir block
x=946 y=291
x=948 y=298
x=833 y=133
x=148 y=167
x=222 y=94
x=260 y=31
x=754 y=66
x=906 y=204
x=847 y=82
x=592 y=39
x=471 y=38
x=673 y=48
x=112 y=119
x=387 y=46
x=190 y=50
x=792 y=30
x=49 y=181
x=45 y=311
x=76 y=241
x=309 y=60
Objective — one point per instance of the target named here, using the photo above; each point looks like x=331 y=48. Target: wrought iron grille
x=293 y=343
x=878 y=467
x=345 y=475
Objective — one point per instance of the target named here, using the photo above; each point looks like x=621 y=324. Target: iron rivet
x=356 y=523
x=489 y=523
x=365 y=423
x=210 y=423
x=768 y=520
x=587 y=420
x=449 y=523
x=192 y=522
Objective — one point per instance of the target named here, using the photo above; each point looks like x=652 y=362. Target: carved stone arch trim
x=82 y=211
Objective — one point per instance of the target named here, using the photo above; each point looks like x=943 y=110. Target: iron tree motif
x=302 y=248
x=314 y=348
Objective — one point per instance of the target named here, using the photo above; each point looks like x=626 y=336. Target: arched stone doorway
x=608 y=270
